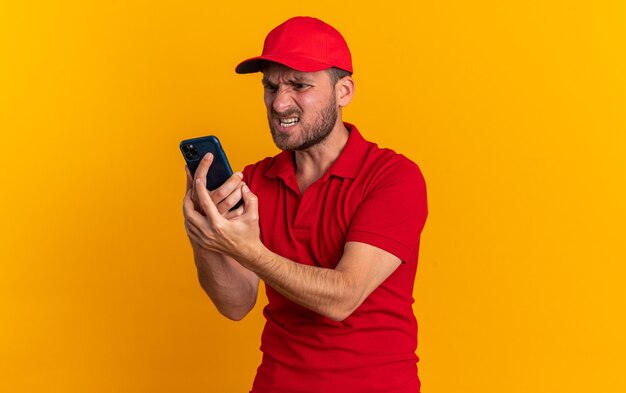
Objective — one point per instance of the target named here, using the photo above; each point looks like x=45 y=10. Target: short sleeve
x=393 y=211
x=248 y=174
x=252 y=172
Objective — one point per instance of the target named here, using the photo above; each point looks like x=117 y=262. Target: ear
x=344 y=90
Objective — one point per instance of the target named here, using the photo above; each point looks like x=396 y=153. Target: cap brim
x=299 y=63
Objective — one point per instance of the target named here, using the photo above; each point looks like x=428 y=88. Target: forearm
x=231 y=287
x=329 y=292
x=334 y=293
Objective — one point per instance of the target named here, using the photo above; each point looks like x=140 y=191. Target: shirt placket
x=305 y=213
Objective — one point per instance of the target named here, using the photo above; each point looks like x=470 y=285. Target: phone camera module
x=190 y=152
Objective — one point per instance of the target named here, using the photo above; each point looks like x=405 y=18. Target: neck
x=313 y=163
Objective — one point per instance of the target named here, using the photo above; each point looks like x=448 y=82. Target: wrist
x=253 y=257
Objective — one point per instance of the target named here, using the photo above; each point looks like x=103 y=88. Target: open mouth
x=289 y=122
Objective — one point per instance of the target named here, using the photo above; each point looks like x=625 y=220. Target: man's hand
x=232 y=288
x=235 y=233
x=224 y=197
x=214 y=231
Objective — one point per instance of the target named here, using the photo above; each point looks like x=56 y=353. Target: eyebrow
x=300 y=79
x=296 y=79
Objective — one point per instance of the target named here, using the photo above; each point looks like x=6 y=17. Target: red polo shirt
x=369 y=195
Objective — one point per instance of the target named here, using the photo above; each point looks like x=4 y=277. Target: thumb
x=250 y=202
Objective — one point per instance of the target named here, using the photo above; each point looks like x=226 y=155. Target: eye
x=300 y=86
x=269 y=88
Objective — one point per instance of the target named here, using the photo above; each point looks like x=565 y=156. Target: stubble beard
x=310 y=134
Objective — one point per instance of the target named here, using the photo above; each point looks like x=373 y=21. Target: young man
x=331 y=225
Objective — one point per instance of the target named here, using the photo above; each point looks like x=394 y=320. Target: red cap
x=303 y=43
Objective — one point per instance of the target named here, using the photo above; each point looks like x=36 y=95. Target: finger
x=190 y=185
x=203 y=168
x=194 y=224
x=191 y=229
x=193 y=233
x=234 y=213
x=189 y=178
x=222 y=192
x=196 y=221
x=189 y=209
x=231 y=200
x=250 y=203
x=187 y=204
x=195 y=237
x=207 y=205
x=194 y=198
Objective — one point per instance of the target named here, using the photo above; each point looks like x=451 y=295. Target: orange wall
x=514 y=111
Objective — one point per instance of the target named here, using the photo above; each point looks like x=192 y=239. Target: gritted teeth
x=288 y=122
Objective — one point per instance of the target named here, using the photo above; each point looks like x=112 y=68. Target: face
x=301 y=106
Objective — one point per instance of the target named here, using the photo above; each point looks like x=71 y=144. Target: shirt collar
x=347 y=165
x=351 y=159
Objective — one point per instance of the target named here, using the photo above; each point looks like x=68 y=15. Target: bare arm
x=232 y=288
x=334 y=293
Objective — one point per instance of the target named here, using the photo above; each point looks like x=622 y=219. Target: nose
x=282 y=101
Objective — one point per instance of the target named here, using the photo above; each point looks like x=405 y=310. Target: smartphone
x=194 y=149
